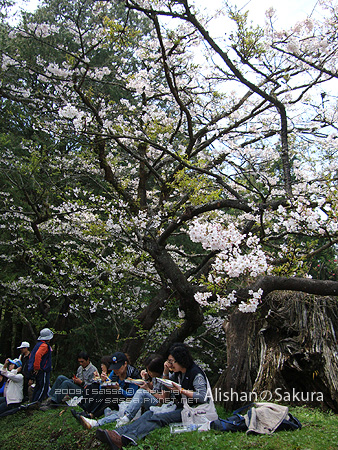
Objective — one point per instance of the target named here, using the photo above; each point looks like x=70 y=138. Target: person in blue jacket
x=188 y=384
x=151 y=392
x=40 y=365
x=114 y=387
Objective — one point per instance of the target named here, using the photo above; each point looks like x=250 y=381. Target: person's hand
x=6 y=363
x=167 y=368
x=144 y=386
x=144 y=374
x=175 y=387
x=77 y=380
x=114 y=386
x=104 y=376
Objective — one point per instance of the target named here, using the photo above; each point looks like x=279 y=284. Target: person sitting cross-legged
x=74 y=387
x=151 y=393
x=113 y=390
x=189 y=383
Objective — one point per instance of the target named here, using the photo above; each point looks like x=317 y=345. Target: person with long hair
x=189 y=383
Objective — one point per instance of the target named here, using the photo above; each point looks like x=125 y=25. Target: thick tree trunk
x=286 y=355
x=240 y=330
x=299 y=351
x=144 y=323
x=175 y=283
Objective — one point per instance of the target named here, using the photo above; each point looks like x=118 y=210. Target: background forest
x=160 y=183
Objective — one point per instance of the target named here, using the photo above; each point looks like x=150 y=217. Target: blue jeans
x=64 y=386
x=4 y=407
x=140 y=398
x=109 y=419
x=148 y=422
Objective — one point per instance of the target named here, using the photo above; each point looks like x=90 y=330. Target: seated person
x=91 y=390
x=114 y=388
x=189 y=384
x=151 y=393
x=72 y=387
x=13 y=392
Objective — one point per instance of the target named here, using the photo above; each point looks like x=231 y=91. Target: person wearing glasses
x=151 y=392
x=188 y=381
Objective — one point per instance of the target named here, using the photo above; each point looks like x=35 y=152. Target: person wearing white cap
x=13 y=393
x=24 y=344
x=40 y=365
x=24 y=358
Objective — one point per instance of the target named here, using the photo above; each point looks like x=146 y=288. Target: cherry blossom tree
x=211 y=180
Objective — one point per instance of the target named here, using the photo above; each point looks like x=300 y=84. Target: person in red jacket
x=40 y=365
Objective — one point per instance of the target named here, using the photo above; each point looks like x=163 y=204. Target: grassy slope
x=57 y=429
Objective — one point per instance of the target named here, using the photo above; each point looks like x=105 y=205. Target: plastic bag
x=165 y=408
x=74 y=401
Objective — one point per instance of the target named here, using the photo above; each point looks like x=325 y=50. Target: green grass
x=57 y=429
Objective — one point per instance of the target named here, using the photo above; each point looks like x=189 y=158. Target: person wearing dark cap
x=13 y=392
x=40 y=365
x=151 y=392
x=189 y=384
x=115 y=388
x=24 y=358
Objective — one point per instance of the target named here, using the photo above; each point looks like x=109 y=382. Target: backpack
x=290 y=423
x=236 y=422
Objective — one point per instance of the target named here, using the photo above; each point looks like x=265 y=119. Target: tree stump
x=286 y=352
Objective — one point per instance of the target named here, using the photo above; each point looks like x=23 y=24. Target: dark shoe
x=75 y=414
x=111 y=438
x=79 y=414
x=30 y=406
x=47 y=402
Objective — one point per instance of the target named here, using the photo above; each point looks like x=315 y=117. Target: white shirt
x=14 y=386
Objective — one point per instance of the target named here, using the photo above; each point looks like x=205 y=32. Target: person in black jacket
x=24 y=358
x=188 y=381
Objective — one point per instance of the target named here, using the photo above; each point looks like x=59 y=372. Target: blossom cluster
x=239 y=255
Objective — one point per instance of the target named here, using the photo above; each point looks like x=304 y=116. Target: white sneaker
x=123 y=421
x=88 y=423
